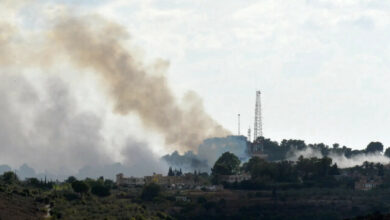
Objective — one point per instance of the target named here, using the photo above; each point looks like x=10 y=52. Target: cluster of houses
x=235 y=178
x=366 y=183
x=186 y=181
x=361 y=182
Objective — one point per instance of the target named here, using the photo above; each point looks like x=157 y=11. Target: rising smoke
x=99 y=46
x=41 y=122
x=46 y=130
x=209 y=152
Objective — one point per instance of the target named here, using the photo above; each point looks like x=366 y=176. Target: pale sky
x=322 y=66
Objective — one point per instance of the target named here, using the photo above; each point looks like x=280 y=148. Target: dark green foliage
x=80 y=187
x=334 y=170
x=387 y=152
x=10 y=177
x=71 y=179
x=306 y=172
x=70 y=196
x=227 y=164
x=150 y=191
x=175 y=172
x=33 y=182
x=170 y=172
x=277 y=152
x=314 y=167
x=209 y=205
x=100 y=190
x=374 y=147
x=109 y=183
x=369 y=169
x=201 y=200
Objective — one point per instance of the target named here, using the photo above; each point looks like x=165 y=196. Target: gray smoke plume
x=209 y=152
x=46 y=131
x=99 y=45
x=42 y=124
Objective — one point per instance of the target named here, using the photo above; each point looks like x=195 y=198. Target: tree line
x=280 y=151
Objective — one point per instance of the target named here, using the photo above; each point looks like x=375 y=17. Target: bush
x=80 y=187
x=70 y=196
x=202 y=200
x=71 y=179
x=210 y=205
x=150 y=191
x=10 y=177
x=100 y=190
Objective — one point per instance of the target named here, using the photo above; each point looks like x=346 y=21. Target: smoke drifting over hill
x=340 y=159
x=99 y=46
x=208 y=152
x=42 y=123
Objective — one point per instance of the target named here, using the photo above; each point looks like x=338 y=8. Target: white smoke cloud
x=341 y=160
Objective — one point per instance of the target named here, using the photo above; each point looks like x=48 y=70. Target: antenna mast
x=238 y=124
x=249 y=134
x=258 y=128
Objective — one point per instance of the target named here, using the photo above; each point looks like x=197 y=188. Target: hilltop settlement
x=263 y=187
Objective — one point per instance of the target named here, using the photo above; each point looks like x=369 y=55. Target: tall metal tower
x=258 y=128
x=239 y=124
x=249 y=134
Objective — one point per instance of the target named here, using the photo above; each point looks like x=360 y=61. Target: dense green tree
x=374 y=147
x=150 y=191
x=71 y=179
x=313 y=168
x=109 y=183
x=100 y=190
x=227 y=164
x=80 y=187
x=387 y=152
x=170 y=172
x=10 y=177
x=334 y=170
x=258 y=167
x=381 y=169
x=33 y=182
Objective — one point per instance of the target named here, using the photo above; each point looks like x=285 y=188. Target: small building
x=174 y=182
x=129 y=181
x=367 y=183
x=212 y=188
x=182 y=199
x=235 y=178
x=156 y=178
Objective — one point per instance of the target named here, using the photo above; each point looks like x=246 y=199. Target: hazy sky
x=322 y=66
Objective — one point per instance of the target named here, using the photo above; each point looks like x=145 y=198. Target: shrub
x=10 y=177
x=202 y=200
x=70 y=196
x=100 y=190
x=150 y=191
x=80 y=187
